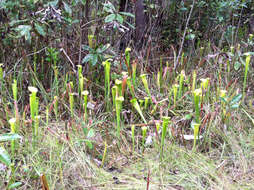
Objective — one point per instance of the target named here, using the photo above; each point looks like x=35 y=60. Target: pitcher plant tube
x=197 y=96
x=135 y=104
x=145 y=83
x=119 y=101
x=165 y=122
x=85 y=94
x=106 y=65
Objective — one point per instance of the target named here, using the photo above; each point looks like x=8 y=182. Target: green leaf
x=40 y=29
x=89 y=144
x=188 y=116
x=4 y=157
x=236 y=99
x=53 y=3
x=127 y=14
x=130 y=25
x=87 y=58
x=234 y=106
x=14 y=185
x=103 y=48
x=24 y=30
x=109 y=7
x=119 y=18
x=13 y=22
x=9 y=137
x=223 y=99
x=248 y=53
x=237 y=65
x=85 y=130
x=94 y=59
x=83 y=2
x=90 y=133
x=87 y=48
x=67 y=8
x=110 y=18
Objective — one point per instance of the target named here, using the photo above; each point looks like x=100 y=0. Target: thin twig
x=184 y=34
x=73 y=66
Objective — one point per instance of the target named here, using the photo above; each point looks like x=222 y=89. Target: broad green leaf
x=90 y=133
x=188 y=116
x=191 y=137
x=223 y=99
x=237 y=65
x=130 y=25
x=24 y=30
x=103 y=48
x=89 y=144
x=9 y=137
x=248 y=53
x=4 y=157
x=236 y=99
x=53 y=3
x=110 y=18
x=85 y=47
x=87 y=58
x=119 y=18
x=12 y=23
x=94 y=59
x=234 y=106
x=40 y=29
x=14 y=185
x=127 y=14
x=83 y=2
x=85 y=130
x=67 y=8
x=109 y=7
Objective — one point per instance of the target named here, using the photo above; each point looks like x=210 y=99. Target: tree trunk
x=139 y=23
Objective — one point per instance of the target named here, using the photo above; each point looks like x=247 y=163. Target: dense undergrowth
x=128 y=126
